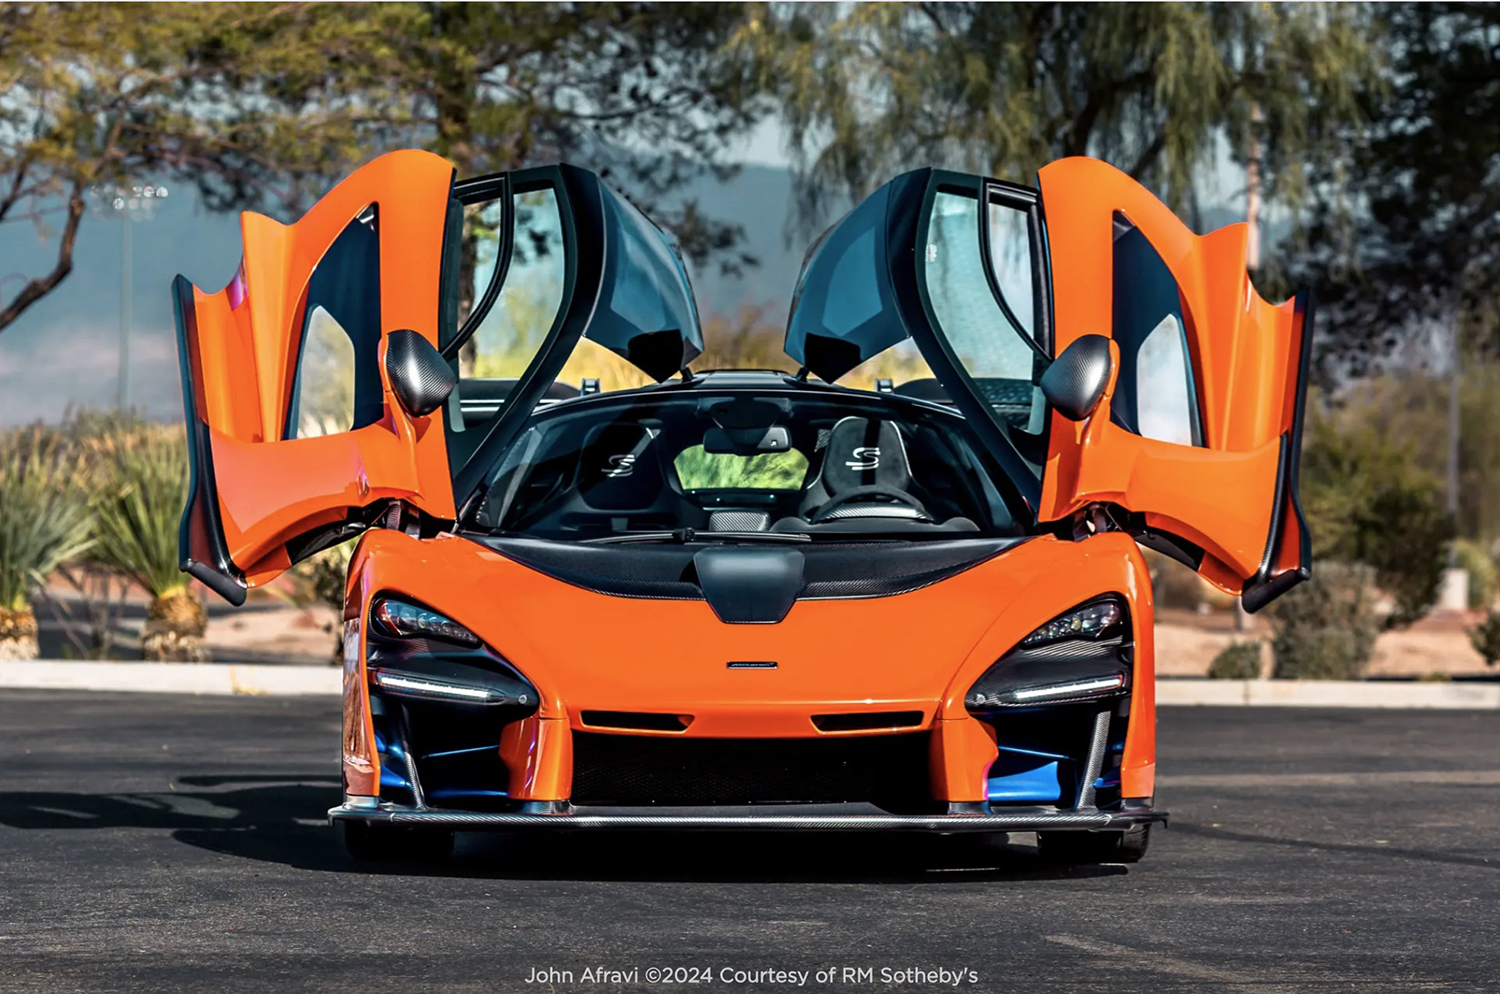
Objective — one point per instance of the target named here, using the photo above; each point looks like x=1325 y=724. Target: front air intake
x=641 y=721
x=867 y=721
x=888 y=770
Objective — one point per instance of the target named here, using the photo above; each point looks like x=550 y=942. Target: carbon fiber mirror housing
x=420 y=376
x=1076 y=380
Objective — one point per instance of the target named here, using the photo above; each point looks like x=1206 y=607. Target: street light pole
x=126 y=306
x=127 y=204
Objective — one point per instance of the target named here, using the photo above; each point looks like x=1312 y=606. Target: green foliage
x=266 y=105
x=232 y=96
x=1001 y=89
x=324 y=577
x=1326 y=628
x=1412 y=409
x=1236 y=661
x=700 y=470
x=1473 y=557
x=43 y=515
x=143 y=477
x=1405 y=232
x=1367 y=501
x=1485 y=637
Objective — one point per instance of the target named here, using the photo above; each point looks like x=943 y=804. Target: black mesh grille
x=889 y=770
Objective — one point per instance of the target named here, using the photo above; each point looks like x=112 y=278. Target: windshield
x=774 y=463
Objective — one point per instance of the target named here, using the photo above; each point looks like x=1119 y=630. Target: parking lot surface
x=176 y=843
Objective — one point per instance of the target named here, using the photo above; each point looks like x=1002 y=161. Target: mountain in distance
x=64 y=351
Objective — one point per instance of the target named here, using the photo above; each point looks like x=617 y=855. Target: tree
x=99 y=95
x=1002 y=89
x=647 y=94
x=1368 y=500
x=1405 y=234
x=265 y=105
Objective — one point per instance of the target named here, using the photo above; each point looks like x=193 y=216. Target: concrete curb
x=1327 y=694
x=262 y=679
x=173 y=678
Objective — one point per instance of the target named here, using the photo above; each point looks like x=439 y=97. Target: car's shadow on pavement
x=281 y=818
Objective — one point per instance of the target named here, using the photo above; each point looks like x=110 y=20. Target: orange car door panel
x=1232 y=493
x=262 y=479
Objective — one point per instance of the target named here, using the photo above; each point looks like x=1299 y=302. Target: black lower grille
x=889 y=770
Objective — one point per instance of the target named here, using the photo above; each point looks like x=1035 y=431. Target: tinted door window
x=336 y=386
x=1155 y=395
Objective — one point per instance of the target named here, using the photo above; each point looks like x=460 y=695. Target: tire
x=1075 y=848
x=370 y=842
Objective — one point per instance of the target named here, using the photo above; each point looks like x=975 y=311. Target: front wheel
x=1128 y=846
x=371 y=841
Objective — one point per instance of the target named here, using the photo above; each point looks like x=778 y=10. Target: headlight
x=1081 y=655
x=403 y=619
x=1088 y=621
x=415 y=653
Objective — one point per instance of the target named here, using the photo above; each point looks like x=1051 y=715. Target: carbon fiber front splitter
x=772 y=818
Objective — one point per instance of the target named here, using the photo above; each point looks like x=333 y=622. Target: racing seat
x=865 y=483
x=621 y=484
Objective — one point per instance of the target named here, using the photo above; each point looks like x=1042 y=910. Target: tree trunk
x=18 y=633
x=175 y=624
x=468 y=263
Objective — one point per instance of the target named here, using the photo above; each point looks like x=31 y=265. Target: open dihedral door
x=1194 y=446
x=1199 y=434
x=297 y=434
x=293 y=428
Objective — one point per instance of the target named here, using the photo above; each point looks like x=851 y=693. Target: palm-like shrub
x=143 y=478
x=43 y=523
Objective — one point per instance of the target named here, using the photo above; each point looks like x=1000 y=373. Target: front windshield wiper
x=686 y=535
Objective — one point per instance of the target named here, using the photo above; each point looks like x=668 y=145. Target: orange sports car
x=728 y=599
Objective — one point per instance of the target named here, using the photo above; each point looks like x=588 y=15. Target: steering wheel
x=859 y=494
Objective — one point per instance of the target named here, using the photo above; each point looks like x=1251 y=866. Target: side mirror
x=420 y=376
x=1075 y=381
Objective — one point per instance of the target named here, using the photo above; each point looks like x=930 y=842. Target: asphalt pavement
x=162 y=843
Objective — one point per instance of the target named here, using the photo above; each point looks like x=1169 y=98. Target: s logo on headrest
x=616 y=467
x=866 y=457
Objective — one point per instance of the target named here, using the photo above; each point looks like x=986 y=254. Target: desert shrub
x=1172 y=583
x=1236 y=661
x=142 y=484
x=43 y=524
x=1485 y=637
x=1476 y=559
x=322 y=578
x=1325 y=629
x=1368 y=501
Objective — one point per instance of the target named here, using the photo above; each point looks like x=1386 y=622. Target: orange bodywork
x=920 y=650
x=243 y=358
x=1245 y=360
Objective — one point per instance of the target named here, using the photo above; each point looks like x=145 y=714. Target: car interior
x=615 y=467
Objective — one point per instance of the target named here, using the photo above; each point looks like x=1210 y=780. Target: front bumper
x=792 y=818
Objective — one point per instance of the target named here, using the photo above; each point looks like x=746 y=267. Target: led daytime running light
x=390 y=681
x=1071 y=689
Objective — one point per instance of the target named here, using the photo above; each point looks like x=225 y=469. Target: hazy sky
x=64 y=351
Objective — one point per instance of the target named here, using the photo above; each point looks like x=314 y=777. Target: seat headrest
x=619 y=468
x=863 y=453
